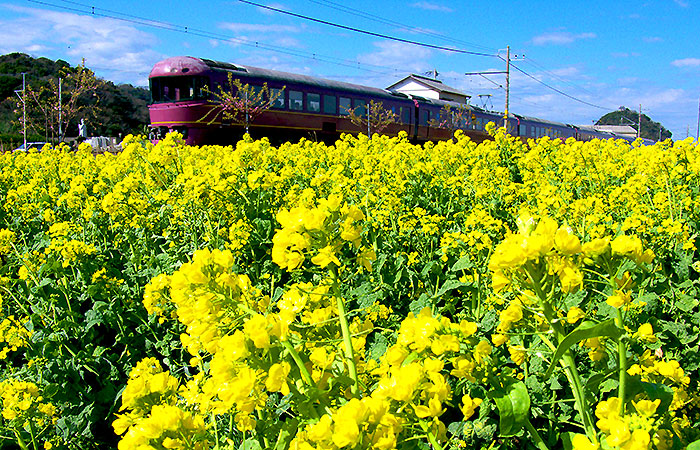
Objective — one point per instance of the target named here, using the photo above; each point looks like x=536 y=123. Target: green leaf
x=653 y=391
x=250 y=444
x=566 y=440
x=513 y=407
x=587 y=330
x=463 y=263
x=694 y=445
x=418 y=304
x=593 y=383
x=286 y=434
x=448 y=286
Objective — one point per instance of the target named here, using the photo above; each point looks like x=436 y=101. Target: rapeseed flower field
x=372 y=294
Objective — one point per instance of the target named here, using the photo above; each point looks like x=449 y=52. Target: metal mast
x=23 y=97
x=507 y=82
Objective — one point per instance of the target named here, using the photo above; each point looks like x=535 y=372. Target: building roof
x=617 y=129
x=431 y=83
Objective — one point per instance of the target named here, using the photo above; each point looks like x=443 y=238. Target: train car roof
x=287 y=77
x=544 y=121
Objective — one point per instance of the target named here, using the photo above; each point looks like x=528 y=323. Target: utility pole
x=23 y=97
x=639 y=124
x=60 y=129
x=24 y=109
x=697 y=133
x=505 y=116
x=507 y=73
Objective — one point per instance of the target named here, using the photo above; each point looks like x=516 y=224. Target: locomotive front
x=180 y=100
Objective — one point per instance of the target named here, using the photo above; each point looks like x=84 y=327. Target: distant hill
x=123 y=107
x=626 y=116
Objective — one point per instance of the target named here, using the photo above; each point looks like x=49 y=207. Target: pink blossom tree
x=240 y=102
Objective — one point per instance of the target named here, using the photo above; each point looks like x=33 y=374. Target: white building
x=428 y=88
x=619 y=130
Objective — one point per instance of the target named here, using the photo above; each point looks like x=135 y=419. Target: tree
x=375 y=118
x=123 y=108
x=625 y=116
x=241 y=103
x=452 y=118
x=51 y=115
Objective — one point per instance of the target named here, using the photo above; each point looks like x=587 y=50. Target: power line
x=370 y=33
x=422 y=44
x=559 y=91
x=382 y=20
x=269 y=47
x=184 y=29
x=555 y=76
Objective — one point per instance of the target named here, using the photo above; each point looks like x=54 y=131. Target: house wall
x=411 y=87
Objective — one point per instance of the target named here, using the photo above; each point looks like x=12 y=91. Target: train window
x=168 y=89
x=424 y=117
x=523 y=130
x=329 y=104
x=344 y=106
x=296 y=100
x=278 y=95
x=313 y=102
x=406 y=115
x=360 y=107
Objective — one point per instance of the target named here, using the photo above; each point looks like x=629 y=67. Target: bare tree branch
x=240 y=103
x=375 y=119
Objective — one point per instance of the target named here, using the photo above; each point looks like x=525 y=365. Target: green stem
x=347 y=338
x=535 y=435
x=305 y=375
x=31 y=433
x=266 y=442
x=216 y=429
x=20 y=441
x=567 y=361
x=431 y=437
x=622 y=356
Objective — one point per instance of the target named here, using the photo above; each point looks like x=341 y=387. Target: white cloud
x=628 y=80
x=259 y=28
x=666 y=97
x=651 y=39
x=560 y=38
x=540 y=99
x=96 y=39
x=681 y=3
x=268 y=33
x=566 y=71
x=686 y=62
x=430 y=6
x=407 y=57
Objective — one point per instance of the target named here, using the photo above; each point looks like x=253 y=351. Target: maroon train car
x=306 y=105
x=313 y=107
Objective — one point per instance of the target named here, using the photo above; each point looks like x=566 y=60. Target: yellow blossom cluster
x=324 y=228
x=13 y=335
x=288 y=272
x=23 y=403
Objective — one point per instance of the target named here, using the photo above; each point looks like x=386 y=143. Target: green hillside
x=115 y=109
x=625 y=116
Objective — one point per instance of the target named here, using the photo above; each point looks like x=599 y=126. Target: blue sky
x=600 y=54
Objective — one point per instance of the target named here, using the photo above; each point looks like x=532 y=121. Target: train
x=183 y=99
